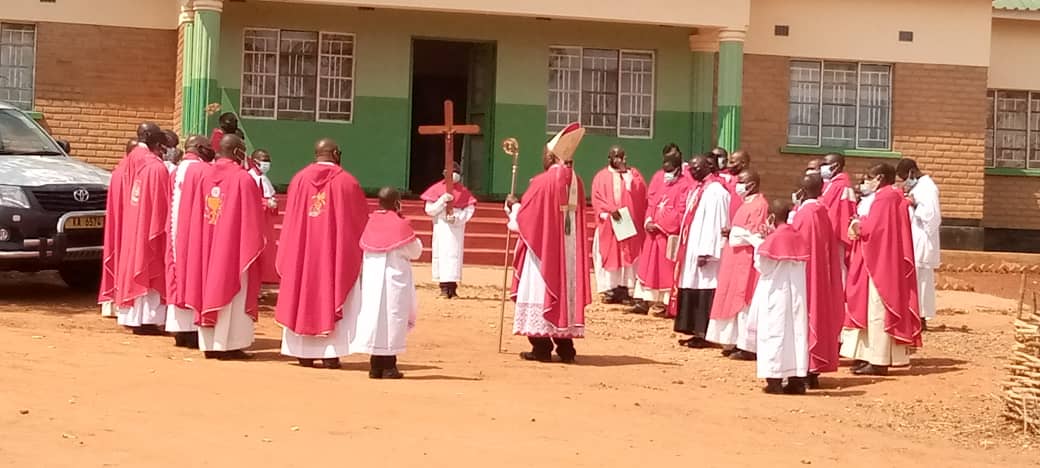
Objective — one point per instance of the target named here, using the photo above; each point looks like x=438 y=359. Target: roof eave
x=1027 y=15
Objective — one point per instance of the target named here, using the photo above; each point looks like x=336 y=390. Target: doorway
x=464 y=73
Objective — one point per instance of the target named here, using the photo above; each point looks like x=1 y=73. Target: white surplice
x=234 y=329
x=625 y=276
x=737 y=330
x=389 y=305
x=329 y=346
x=781 y=325
x=178 y=319
x=107 y=309
x=925 y=220
x=705 y=239
x=448 y=239
x=873 y=344
x=146 y=310
x=528 y=315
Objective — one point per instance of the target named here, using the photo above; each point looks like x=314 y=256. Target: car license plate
x=85 y=222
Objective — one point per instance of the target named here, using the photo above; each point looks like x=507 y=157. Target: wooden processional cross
x=449 y=130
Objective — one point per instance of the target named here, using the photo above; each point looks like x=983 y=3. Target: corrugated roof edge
x=1021 y=5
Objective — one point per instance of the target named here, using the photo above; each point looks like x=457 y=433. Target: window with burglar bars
x=17 y=64
x=297 y=75
x=1013 y=129
x=609 y=91
x=840 y=105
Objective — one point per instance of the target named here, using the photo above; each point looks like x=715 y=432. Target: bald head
x=326 y=150
x=751 y=180
x=151 y=135
x=778 y=211
x=389 y=199
x=701 y=166
x=835 y=161
x=232 y=147
x=738 y=162
x=199 y=145
x=813 y=167
x=616 y=158
x=811 y=186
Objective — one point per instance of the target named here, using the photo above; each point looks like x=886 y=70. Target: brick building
x=949 y=83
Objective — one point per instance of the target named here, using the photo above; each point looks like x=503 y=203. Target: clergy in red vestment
x=227 y=125
x=730 y=319
x=823 y=279
x=551 y=279
x=139 y=292
x=618 y=199
x=320 y=260
x=839 y=198
x=185 y=180
x=735 y=163
x=259 y=166
x=112 y=234
x=883 y=320
x=223 y=275
x=666 y=201
x=700 y=249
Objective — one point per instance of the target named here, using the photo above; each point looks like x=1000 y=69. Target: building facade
x=949 y=83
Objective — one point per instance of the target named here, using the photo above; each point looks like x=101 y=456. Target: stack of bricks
x=95 y=84
x=938 y=119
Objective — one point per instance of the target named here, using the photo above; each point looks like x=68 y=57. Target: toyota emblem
x=81 y=195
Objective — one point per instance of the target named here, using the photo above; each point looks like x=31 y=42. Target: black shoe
x=774 y=387
x=331 y=363
x=621 y=294
x=213 y=354
x=453 y=292
x=640 y=308
x=531 y=356
x=727 y=352
x=695 y=343
x=609 y=297
x=741 y=355
x=871 y=369
x=375 y=374
x=858 y=364
x=147 y=330
x=306 y=362
x=813 y=381
x=567 y=359
x=924 y=325
x=186 y=340
x=236 y=355
x=392 y=374
x=178 y=340
x=795 y=386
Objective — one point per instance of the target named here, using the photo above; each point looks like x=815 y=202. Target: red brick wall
x=94 y=84
x=938 y=119
x=1012 y=202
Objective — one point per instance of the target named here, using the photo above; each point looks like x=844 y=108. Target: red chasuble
x=666 y=202
x=886 y=256
x=605 y=185
x=319 y=258
x=684 y=238
x=141 y=259
x=386 y=231
x=737 y=274
x=190 y=198
x=113 y=231
x=542 y=231
x=826 y=309
x=785 y=244
x=460 y=194
x=840 y=200
x=229 y=243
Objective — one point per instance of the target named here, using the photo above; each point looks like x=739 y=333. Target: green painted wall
x=376 y=144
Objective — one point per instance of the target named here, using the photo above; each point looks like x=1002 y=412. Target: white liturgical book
x=672 y=249
x=624 y=228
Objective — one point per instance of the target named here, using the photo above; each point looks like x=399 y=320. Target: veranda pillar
x=731 y=83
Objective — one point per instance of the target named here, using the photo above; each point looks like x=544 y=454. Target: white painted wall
x=955 y=32
x=151 y=14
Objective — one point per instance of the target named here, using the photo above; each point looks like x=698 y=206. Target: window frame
x=581 y=92
x=859 y=83
x=317 y=77
x=1030 y=133
x=35 y=61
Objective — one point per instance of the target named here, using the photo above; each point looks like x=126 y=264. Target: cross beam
x=449 y=130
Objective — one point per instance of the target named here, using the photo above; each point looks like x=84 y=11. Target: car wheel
x=81 y=276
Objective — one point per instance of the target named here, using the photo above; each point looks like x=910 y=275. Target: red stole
x=542 y=231
x=229 y=242
x=141 y=260
x=737 y=274
x=684 y=237
x=784 y=244
x=386 y=231
x=190 y=193
x=840 y=201
x=666 y=202
x=822 y=284
x=887 y=257
x=461 y=197
x=614 y=254
x=319 y=258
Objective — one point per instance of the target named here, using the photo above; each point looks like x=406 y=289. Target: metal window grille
x=259 y=73
x=636 y=109
x=1034 y=131
x=990 y=103
x=17 y=64
x=609 y=91
x=1008 y=129
x=297 y=75
x=839 y=104
x=336 y=77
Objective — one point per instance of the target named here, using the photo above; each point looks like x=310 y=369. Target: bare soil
x=77 y=390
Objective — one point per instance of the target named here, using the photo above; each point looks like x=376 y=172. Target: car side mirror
x=64 y=146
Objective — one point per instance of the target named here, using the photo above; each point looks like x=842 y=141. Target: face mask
x=671 y=176
x=910 y=183
x=722 y=163
x=264 y=166
x=866 y=189
x=170 y=154
x=456 y=177
x=742 y=189
x=795 y=198
x=827 y=172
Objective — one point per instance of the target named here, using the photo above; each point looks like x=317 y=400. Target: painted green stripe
x=731 y=73
x=702 y=138
x=186 y=74
x=729 y=127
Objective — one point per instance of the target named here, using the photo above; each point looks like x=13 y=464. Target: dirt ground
x=76 y=390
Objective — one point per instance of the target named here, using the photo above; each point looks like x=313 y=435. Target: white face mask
x=794 y=198
x=456 y=177
x=671 y=176
x=827 y=172
x=742 y=189
x=867 y=188
x=264 y=166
